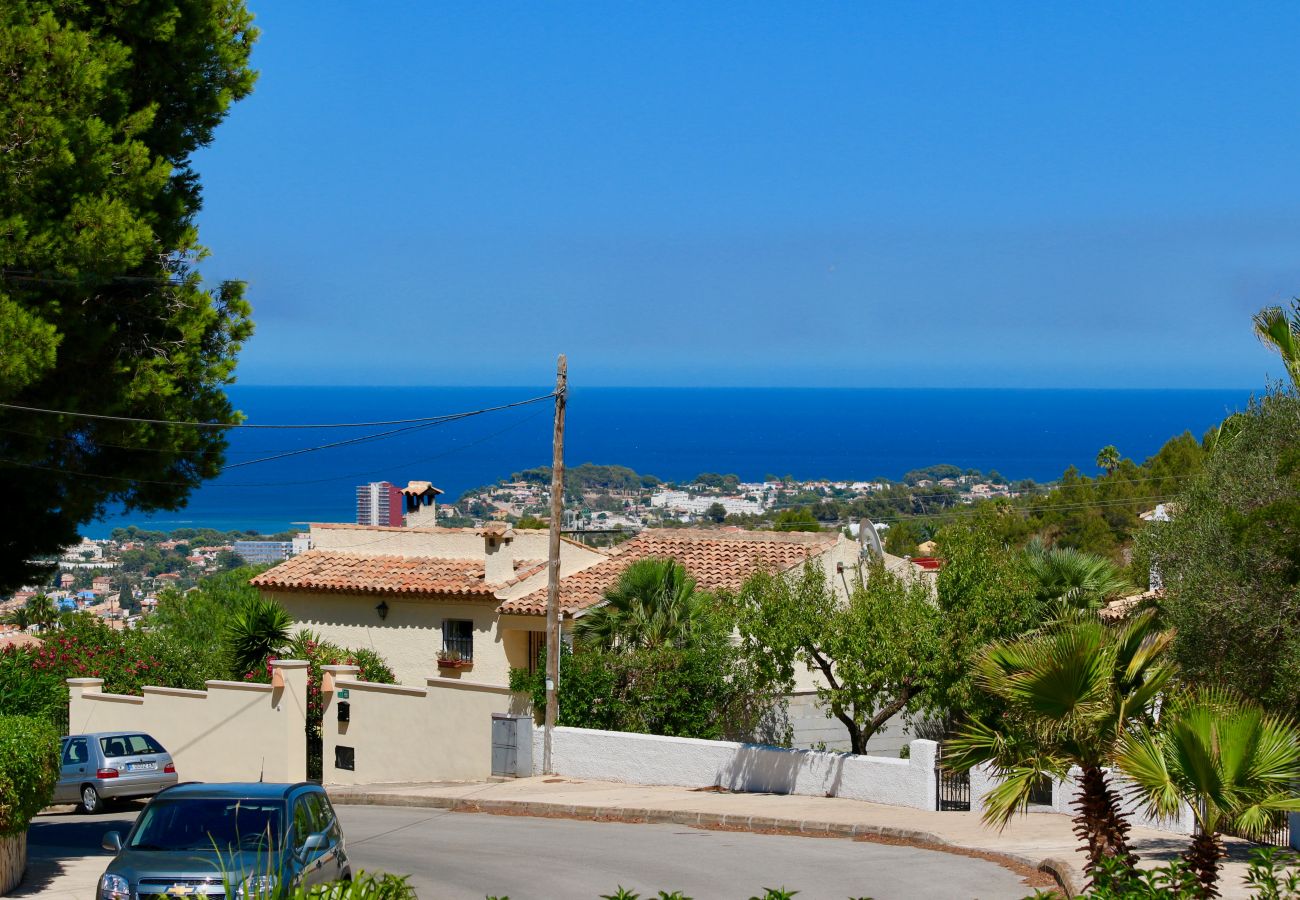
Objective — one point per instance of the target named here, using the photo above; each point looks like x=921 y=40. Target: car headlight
x=114 y=887
x=256 y=886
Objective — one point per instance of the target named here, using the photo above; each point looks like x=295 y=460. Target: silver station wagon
x=112 y=765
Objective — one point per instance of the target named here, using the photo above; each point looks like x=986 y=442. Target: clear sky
x=865 y=194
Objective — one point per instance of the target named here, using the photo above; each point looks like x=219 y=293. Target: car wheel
x=91 y=802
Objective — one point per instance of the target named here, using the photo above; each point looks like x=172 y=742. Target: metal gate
x=1278 y=834
x=952 y=789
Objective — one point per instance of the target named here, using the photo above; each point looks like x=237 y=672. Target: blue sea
x=674 y=433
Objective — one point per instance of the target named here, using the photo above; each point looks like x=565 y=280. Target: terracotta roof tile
x=328 y=571
x=718 y=561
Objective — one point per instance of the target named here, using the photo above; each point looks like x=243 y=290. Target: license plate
x=141 y=767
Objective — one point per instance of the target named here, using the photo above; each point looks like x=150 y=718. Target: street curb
x=1058 y=869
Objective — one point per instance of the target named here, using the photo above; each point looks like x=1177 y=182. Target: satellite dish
x=870 y=539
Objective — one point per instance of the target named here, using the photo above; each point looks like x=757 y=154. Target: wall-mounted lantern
x=382 y=609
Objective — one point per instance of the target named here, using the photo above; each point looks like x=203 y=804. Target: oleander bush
x=29 y=768
x=33 y=678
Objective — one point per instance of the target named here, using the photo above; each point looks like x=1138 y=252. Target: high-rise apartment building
x=379 y=503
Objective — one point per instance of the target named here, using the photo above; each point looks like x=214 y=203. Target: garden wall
x=1065 y=792
x=13 y=861
x=686 y=762
x=399 y=733
x=233 y=731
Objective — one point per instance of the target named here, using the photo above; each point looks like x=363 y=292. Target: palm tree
x=19 y=617
x=1227 y=758
x=1070 y=694
x=1277 y=332
x=655 y=603
x=1072 y=579
x=257 y=628
x=42 y=610
x=1108 y=458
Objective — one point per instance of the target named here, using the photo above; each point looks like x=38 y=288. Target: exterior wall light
x=382 y=609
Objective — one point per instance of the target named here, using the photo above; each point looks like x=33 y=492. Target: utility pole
x=553 y=569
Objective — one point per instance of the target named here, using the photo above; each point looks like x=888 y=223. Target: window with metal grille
x=458 y=639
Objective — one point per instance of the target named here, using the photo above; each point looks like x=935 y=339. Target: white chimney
x=498 y=554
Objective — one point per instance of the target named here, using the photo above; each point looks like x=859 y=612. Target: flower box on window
x=450 y=659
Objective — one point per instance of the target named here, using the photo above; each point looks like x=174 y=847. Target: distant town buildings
x=379 y=503
x=382 y=503
x=265 y=553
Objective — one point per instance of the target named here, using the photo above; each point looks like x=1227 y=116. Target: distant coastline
x=674 y=433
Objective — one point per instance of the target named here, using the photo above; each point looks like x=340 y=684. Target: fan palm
x=257 y=628
x=1227 y=758
x=655 y=603
x=1072 y=578
x=1108 y=458
x=42 y=610
x=1278 y=332
x=1070 y=694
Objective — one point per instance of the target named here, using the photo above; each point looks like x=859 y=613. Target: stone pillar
x=78 y=708
x=922 y=756
x=289 y=678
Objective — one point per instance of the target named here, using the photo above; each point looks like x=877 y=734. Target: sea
x=673 y=433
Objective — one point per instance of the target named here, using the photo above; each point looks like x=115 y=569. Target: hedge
x=29 y=768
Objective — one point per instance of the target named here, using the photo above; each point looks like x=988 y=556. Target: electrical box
x=512 y=745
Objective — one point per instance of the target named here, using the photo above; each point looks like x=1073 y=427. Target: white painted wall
x=650 y=759
x=1065 y=792
x=233 y=731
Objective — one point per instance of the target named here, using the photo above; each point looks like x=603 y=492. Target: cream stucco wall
x=439 y=732
x=233 y=731
x=410 y=637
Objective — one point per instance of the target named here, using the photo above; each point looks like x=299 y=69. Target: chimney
x=498 y=555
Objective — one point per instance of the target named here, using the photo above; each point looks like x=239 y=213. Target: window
x=536 y=644
x=75 y=752
x=458 y=639
x=129 y=745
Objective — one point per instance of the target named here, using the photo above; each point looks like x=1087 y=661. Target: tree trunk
x=1098 y=821
x=1203 y=859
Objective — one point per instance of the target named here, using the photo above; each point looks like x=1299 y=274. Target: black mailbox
x=345 y=711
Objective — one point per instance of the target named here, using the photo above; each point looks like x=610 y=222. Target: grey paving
x=467 y=856
x=460 y=856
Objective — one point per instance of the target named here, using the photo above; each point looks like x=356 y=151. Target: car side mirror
x=112 y=842
x=313 y=843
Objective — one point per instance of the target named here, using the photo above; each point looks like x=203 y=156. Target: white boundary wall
x=399 y=733
x=686 y=762
x=1065 y=792
x=233 y=731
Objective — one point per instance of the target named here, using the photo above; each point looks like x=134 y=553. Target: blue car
x=194 y=840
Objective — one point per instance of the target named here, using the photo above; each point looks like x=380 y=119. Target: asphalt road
x=462 y=856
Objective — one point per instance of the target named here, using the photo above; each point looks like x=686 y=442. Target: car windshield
x=128 y=745
x=223 y=825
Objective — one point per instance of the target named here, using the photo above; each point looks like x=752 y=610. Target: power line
x=137 y=420
x=280 y=483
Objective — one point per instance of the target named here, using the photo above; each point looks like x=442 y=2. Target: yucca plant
x=257 y=629
x=1070 y=694
x=1227 y=758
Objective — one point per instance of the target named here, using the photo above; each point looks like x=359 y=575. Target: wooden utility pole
x=553 y=569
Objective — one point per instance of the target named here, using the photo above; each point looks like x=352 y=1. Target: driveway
x=452 y=855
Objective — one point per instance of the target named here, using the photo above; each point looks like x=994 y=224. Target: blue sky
x=1020 y=195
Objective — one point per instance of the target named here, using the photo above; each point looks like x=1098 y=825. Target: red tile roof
x=328 y=571
x=718 y=560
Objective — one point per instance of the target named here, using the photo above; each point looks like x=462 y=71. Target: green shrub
x=698 y=692
x=362 y=887
x=29 y=768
